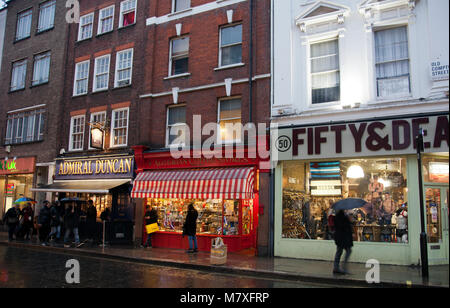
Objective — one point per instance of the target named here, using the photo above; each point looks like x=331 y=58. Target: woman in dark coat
x=344 y=241
x=190 y=228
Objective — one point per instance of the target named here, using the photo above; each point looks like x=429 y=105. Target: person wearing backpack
x=11 y=218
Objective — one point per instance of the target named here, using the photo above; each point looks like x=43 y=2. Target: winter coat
x=190 y=224
x=343 y=231
x=91 y=214
x=12 y=216
x=27 y=215
x=44 y=216
x=151 y=217
x=71 y=220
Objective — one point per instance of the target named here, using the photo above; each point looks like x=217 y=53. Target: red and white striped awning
x=221 y=183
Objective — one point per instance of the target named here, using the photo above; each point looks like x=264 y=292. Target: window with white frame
x=230 y=45
x=176 y=130
x=76 y=133
x=392 y=62
x=24 y=24
x=325 y=74
x=179 y=56
x=86 y=26
x=127 y=13
x=124 y=64
x=97 y=118
x=101 y=73
x=18 y=75
x=81 y=78
x=106 y=20
x=180 y=5
x=41 y=68
x=119 y=127
x=25 y=126
x=229 y=120
x=46 y=15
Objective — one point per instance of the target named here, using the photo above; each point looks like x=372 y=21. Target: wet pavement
x=29 y=268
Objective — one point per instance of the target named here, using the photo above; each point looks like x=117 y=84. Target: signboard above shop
x=23 y=165
x=360 y=139
x=95 y=168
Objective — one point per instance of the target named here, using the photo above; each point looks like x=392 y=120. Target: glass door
x=436 y=218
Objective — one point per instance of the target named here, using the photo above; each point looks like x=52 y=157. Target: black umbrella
x=73 y=199
x=349 y=204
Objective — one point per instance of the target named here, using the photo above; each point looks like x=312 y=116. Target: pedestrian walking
x=91 y=221
x=71 y=222
x=343 y=238
x=190 y=228
x=151 y=217
x=44 y=223
x=11 y=218
x=27 y=221
x=55 y=223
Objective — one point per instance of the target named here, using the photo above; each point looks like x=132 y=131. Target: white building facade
x=353 y=83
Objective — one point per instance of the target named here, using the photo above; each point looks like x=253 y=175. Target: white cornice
x=336 y=16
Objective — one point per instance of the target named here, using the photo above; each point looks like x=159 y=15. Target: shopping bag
x=218 y=252
x=152 y=228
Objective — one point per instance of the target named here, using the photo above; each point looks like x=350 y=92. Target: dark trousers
x=149 y=240
x=11 y=231
x=44 y=231
x=337 y=257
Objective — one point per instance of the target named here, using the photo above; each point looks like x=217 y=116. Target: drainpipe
x=250 y=81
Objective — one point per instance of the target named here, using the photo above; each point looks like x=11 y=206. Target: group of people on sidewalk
x=189 y=226
x=52 y=219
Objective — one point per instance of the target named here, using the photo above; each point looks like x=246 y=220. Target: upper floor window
x=18 y=75
x=127 y=13
x=180 y=5
x=176 y=130
x=106 y=20
x=41 y=69
x=392 y=62
x=81 y=78
x=179 y=56
x=25 y=127
x=325 y=77
x=101 y=73
x=124 y=64
x=76 y=139
x=230 y=120
x=46 y=15
x=230 y=45
x=24 y=24
x=86 y=26
x=119 y=127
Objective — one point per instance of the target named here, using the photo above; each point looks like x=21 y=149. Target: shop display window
x=215 y=217
x=311 y=188
x=101 y=201
x=435 y=169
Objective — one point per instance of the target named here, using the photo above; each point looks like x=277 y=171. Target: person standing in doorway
x=91 y=221
x=343 y=238
x=190 y=228
x=151 y=217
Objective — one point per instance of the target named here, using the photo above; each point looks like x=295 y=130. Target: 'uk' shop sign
x=365 y=138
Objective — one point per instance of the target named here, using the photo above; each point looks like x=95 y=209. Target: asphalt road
x=30 y=268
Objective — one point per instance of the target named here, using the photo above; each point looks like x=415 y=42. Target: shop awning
x=220 y=183
x=86 y=186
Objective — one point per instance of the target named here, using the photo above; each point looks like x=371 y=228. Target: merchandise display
x=311 y=189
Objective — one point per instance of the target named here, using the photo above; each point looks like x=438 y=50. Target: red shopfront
x=224 y=191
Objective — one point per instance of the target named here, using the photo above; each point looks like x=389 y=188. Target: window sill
x=24 y=143
x=83 y=40
x=229 y=66
x=39 y=84
x=179 y=12
x=45 y=30
x=127 y=26
x=177 y=76
x=21 y=39
x=79 y=95
x=104 y=33
x=99 y=91
x=16 y=90
x=75 y=151
x=118 y=147
x=122 y=87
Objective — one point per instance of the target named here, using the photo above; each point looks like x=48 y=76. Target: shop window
x=311 y=188
x=127 y=13
x=177 y=130
x=179 y=56
x=86 y=26
x=41 y=69
x=81 y=78
x=124 y=64
x=18 y=75
x=435 y=169
x=392 y=62
x=106 y=20
x=25 y=127
x=230 y=45
x=76 y=133
x=180 y=5
x=230 y=121
x=46 y=15
x=325 y=77
x=24 y=24
x=119 y=129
